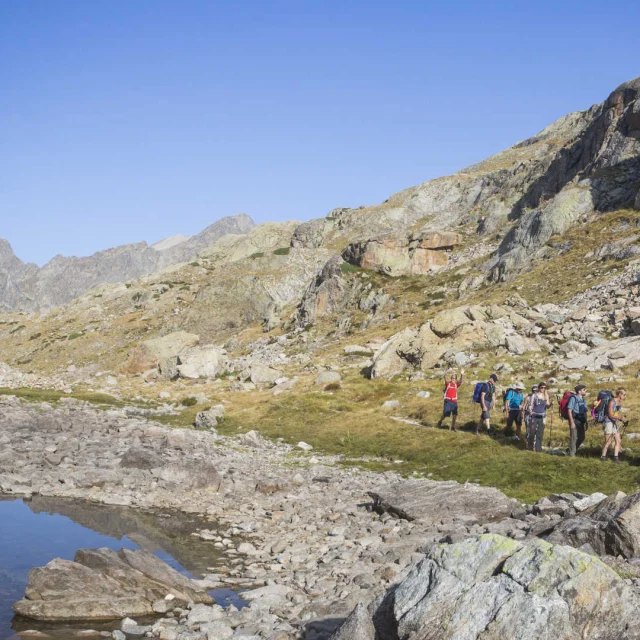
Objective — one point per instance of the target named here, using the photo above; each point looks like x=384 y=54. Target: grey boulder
x=428 y=500
x=101 y=584
x=494 y=588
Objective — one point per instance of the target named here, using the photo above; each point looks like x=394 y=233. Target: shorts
x=450 y=408
x=514 y=415
x=610 y=428
x=485 y=415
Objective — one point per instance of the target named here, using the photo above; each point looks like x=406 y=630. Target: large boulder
x=428 y=501
x=202 y=362
x=493 y=588
x=187 y=476
x=401 y=351
x=263 y=375
x=101 y=584
x=150 y=353
x=209 y=419
x=448 y=322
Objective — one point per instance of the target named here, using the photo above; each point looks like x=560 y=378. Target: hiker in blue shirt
x=513 y=403
x=577 y=414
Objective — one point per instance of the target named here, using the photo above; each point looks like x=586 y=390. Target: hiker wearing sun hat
x=513 y=403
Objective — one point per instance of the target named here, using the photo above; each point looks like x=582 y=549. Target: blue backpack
x=477 y=391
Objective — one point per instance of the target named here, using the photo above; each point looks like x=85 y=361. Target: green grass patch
x=353 y=424
x=347 y=267
x=49 y=395
x=283 y=251
x=256 y=255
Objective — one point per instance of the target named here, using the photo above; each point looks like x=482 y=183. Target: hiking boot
x=476 y=432
x=616 y=459
x=603 y=458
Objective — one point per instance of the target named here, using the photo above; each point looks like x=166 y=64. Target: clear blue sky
x=129 y=120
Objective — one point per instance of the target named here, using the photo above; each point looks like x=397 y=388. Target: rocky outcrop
x=610 y=355
x=25 y=287
x=491 y=587
x=611 y=527
x=450 y=334
x=330 y=292
x=101 y=584
x=597 y=171
x=399 y=255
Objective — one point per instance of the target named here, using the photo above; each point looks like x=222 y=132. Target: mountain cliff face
x=586 y=162
x=25 y=287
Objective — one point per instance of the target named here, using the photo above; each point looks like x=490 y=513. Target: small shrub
x=137 y=296
x=283 y=251
x=257 y=254
x=333 y=386
x=35 y=336
x=73 y=336
x=347 y=268
x=21 y=326
x=189 y=402
x=194 y=264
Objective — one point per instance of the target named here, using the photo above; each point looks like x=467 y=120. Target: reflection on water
x=34 y=532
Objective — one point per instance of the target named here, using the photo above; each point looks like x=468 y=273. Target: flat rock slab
x=428 y=500
x=101 y=584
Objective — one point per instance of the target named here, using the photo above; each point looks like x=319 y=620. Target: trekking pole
x=550 y=429
x=625 y=423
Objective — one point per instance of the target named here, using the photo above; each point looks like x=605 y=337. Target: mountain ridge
x=27 y=287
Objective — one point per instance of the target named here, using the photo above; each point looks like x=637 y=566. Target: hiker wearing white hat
x=513 y=404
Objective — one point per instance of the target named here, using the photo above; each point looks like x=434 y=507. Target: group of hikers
x=533 y=409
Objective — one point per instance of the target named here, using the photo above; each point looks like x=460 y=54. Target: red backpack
x=564 y=404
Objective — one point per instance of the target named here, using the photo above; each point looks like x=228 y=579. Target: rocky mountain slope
x=563 y=202
x=25 y=287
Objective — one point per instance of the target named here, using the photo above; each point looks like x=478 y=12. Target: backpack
x=449 y=386
x=505 y=394
x=477 y=391
x=538 y=405
x=564 y=404
x=599 y=411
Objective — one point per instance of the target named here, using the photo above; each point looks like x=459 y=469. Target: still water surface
x=34 y=532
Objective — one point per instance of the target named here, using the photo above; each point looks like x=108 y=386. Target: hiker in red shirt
x=451 y=399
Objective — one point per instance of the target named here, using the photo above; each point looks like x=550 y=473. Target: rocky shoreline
x=306 y=541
